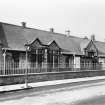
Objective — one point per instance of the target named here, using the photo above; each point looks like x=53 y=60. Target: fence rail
x=21 y=68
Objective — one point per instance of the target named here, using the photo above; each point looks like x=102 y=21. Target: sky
x=81 y=17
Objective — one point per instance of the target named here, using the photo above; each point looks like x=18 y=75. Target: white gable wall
x=77 y=62
x=102 y=61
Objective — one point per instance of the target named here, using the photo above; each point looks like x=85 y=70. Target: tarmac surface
x=100 y=100
x=91 y=92
x=15 y=87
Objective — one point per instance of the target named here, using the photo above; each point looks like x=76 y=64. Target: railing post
x=58 y=61
x=74 y=61
x=53 y=60
x=69 y=63
x=36 y=58
x=4 y=55
x=26 y=71
x=46 y=54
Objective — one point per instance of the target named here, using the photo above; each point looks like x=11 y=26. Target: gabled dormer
x=36 y=44
x=53 y=45
x=91 y=49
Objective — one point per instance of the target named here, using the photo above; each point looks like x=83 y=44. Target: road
x=82 y=93
x=100 y=100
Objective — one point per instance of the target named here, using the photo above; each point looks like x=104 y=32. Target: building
x=46 y=51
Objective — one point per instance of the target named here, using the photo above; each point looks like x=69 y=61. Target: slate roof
x=14 y=37
x=100 y=47
x=17 y=36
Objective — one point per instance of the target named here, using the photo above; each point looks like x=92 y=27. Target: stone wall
x=19 y=79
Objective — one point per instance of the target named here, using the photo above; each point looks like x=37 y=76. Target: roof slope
x=17 y=36
x=101 y=47
x=14 y=37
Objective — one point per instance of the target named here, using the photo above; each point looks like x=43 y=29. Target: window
x=53 y=58
x=91 y=54
x=15 y=56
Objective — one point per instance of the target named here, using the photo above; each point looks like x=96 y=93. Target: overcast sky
x=82 y=17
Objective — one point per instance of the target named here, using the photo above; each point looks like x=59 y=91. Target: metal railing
x=20 y=68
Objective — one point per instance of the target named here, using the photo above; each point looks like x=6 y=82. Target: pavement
x=8 y=88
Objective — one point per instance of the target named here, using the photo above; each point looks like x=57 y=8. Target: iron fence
x=11 y=68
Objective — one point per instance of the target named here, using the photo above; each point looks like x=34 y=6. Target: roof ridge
x=10 y=24
x=56 y=33
x=31 y=28
x=99 y=41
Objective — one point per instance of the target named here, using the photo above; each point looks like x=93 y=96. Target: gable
x=54 y=46
x=91 y=47
x=36 y=44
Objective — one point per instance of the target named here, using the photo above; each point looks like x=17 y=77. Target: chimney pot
x=67 y=32
x=85 y=37
x=51 y=29
x=23 y=24
x=93 y=37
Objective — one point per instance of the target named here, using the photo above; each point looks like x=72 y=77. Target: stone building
x=49 y=50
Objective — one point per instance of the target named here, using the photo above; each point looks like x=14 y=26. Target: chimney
x=51 y=29
x=23 y=24
x=67 y=32
x=85 y=37
x=93 y=37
